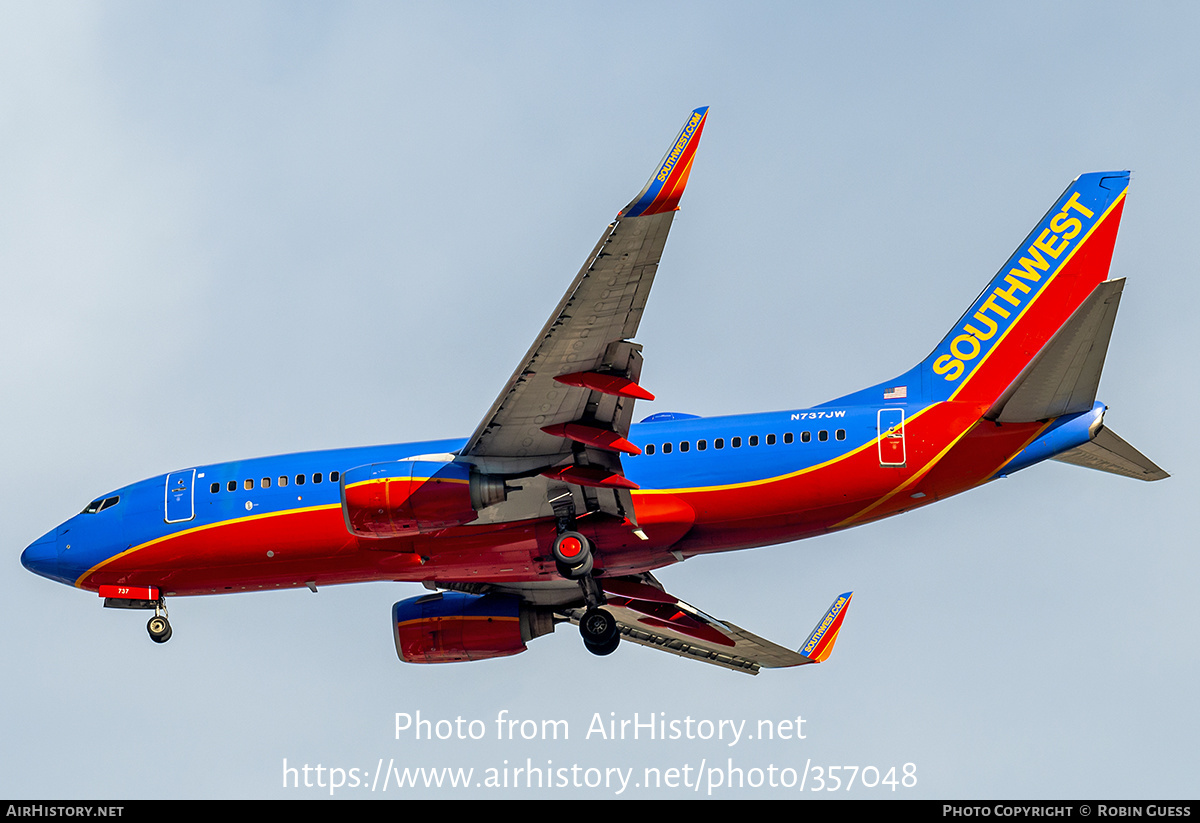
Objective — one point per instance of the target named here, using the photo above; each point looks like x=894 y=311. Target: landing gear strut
x=573 y=558
x=159 y=627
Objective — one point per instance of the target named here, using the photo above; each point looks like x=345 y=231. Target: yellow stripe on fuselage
x=79 y=580
x=752 y=483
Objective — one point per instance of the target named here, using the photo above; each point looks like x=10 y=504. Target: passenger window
x=736 y=442
x=787 y=437
x=770 y=440
x=265 y=483
x=701 y=445
x=248 y=483
x=231 y=485
x=317 y=477
x=840 y=434
x=719 y=443
x=805 y=437
x=685 y=446
x=333 y=477
x=666 y=448
x=283 y=480
x=214 y=488
x=299 y=480
x=754 y=440
x=823 y=435
x=649 y=448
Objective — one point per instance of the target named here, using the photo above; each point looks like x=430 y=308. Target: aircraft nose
x=41 y=557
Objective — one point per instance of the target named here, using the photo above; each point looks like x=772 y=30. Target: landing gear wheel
x=572 y=555
x=575 y=572
x=570 y=548
x=600 y=633
x=159 y=629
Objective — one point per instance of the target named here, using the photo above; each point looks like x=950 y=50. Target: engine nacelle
x=414 y=496
x=448 y=627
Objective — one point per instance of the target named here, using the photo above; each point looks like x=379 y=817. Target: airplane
x=559 y=508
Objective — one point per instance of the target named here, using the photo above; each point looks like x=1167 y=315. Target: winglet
x=664 y=189
x=820 y=643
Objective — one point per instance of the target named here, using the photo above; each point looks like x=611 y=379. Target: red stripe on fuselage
x=854 y=489
x=313 y=545
x=948 y=450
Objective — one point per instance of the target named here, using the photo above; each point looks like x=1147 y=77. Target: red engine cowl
x=414 y=496
x=449 y=627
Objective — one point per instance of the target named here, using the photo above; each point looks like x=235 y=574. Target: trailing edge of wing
x=649 y=616
x=1109 y=453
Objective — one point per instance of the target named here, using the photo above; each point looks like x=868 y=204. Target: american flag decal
x=897 y=393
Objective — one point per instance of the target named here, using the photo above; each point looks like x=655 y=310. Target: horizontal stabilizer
x=1064 y=376
x=1109 y=453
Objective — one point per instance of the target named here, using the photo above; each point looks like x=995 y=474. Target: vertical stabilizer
x=1052 y=272
x=1048 y=277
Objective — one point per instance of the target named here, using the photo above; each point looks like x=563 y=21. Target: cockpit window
x=101 y=504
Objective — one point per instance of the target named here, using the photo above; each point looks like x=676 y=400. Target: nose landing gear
x=159 y=627
x=141 y=597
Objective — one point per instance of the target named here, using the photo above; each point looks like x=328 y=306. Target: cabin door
x=891 y=437
x=181 y=496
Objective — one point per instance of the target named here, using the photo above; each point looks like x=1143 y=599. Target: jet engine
x=448 y=627
x=408 y=497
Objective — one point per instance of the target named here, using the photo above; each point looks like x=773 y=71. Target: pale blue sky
x=236 y=229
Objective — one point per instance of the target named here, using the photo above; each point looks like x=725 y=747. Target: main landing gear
x=573 y=558
x=159 y=627
x=572 y=555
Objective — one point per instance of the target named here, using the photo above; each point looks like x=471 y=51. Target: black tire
x=600 y=632
x=575 y=572
x=598 y=626
x=159 y=629
x=602 y=649
x=570 y=549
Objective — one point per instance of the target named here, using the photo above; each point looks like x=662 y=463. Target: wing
x=562 y=420
x=649 y=616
